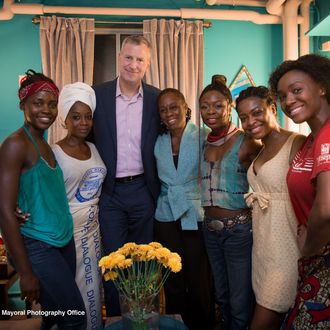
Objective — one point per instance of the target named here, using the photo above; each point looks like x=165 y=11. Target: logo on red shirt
x=325 y=154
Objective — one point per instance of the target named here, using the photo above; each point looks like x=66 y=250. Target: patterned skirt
x=312 y=305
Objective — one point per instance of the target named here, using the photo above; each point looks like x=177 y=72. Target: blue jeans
x=55 y=269
x=229 y=252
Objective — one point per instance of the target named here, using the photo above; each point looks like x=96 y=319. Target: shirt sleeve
x=321 y=152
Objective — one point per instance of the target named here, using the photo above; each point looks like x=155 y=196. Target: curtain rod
x=36 y=20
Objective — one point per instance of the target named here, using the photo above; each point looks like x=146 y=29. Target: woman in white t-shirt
x=84 y=172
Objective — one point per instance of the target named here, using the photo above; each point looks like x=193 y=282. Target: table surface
x=165 y=322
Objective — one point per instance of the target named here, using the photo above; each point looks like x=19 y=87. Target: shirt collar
x=118 y=91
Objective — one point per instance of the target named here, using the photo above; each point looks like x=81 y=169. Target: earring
x=188 y=114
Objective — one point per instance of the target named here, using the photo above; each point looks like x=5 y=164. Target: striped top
x=224 y=182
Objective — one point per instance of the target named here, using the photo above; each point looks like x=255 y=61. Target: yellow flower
x=136 y=268
x=127 y=248
x=140 y=253
x=125 y=263
x=130 y=245
x=162 y=255
x=110 y=276
x=151 y=255
x=116 y=260
x=174 y=262
x=104 y=261
x=155 y=245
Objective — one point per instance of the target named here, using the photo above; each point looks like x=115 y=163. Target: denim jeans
x=55 y=269
x=229 y=252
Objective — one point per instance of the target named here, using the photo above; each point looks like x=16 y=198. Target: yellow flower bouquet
x=139 y=271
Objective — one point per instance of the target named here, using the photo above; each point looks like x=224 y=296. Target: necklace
x=220 y=140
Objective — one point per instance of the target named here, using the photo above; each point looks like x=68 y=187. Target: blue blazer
x=105 y=133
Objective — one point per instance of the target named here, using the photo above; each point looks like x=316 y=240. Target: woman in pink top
x=303 y=88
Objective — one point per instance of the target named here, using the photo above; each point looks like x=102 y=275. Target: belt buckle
x=215 y=225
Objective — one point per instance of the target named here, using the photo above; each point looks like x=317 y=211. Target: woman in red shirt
x=303 y=88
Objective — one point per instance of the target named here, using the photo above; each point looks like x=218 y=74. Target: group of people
x=242 y=207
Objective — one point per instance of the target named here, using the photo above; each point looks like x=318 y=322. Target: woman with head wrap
x=84 y=172
x=42 y=249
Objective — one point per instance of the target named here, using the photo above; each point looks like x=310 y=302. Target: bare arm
x=296 y=145
x=12 y=153
x=249 y=151
x=318 y=228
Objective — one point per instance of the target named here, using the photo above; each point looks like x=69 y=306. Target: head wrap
x=72 y=93
x=38 y=86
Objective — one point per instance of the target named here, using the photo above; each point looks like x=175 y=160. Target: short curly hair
x=261 y=92
x=163 y=129
x=317 y=67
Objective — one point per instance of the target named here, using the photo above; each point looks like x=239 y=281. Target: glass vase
x=140 y=314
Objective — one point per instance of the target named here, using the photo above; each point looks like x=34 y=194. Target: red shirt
x=310 y=160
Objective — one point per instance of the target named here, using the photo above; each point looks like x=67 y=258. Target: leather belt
x=227 y=223
x=127 y=179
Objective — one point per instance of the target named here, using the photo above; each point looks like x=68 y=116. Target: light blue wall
x=19 y=51
x=231 y=44
x=228 y=46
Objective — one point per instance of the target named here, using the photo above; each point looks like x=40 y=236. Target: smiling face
x=172 y=111
x=40 y=109
x=257 y=117
x=133 y=62
x=300 y=96
x=215 y=110
x=79 y=120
